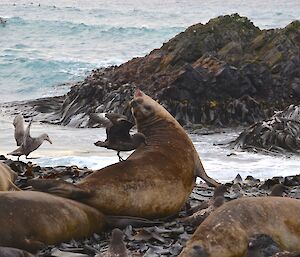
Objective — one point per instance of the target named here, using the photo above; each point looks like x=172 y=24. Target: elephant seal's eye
x=139 y=100
x=147 y=107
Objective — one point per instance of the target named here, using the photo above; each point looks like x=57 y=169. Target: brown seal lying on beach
x=30 y=220
x=226 y=232
x=7 y=178
x=154 y=181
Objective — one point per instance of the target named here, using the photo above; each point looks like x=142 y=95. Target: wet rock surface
x=222 y=73
x=169 y=235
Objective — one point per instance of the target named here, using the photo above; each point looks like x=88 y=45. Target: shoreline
x=74 y=146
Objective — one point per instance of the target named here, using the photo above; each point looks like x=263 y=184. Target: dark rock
x=2 y=157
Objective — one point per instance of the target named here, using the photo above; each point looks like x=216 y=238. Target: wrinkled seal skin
x=155 y=180
x=7 y=178
x=226 y=232
x=31 y=220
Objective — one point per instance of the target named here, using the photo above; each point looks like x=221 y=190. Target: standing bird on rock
x=28 y=144
x=117 y=247
x=117 y=133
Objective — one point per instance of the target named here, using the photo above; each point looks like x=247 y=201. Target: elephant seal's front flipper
x=123 y=221
x=60 y=188
x=32 y=245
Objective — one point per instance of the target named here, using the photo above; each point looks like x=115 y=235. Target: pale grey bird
x=29 y=143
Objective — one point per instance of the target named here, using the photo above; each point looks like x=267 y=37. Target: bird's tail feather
x=101 y=143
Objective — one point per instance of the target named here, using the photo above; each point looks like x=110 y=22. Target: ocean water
x=48 y=43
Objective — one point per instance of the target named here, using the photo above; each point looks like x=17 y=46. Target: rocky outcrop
x=225 y=72
x=278 y=134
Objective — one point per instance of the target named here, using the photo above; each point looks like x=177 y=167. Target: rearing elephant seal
x=226 y=232
x=154 y=181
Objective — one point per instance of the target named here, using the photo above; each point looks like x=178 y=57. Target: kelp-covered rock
x=225 y=72
x=280 y=133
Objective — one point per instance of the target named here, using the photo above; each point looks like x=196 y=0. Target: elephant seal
x=143 y=185
x=7 y=178
x=226 y=232
x=30 y=220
